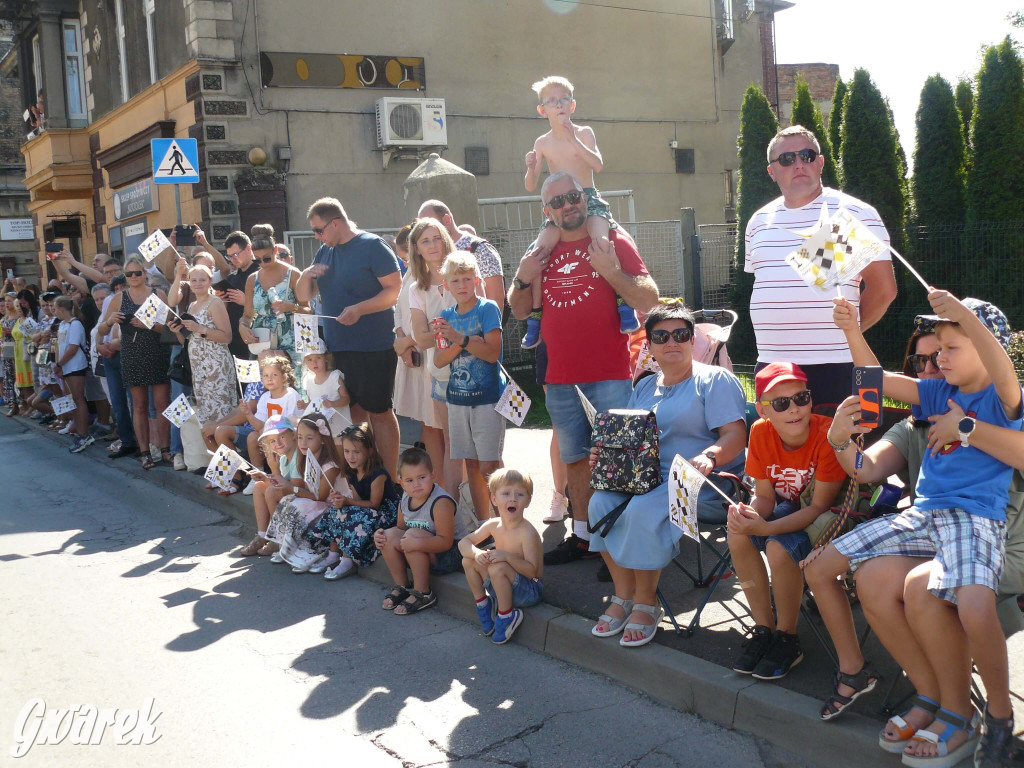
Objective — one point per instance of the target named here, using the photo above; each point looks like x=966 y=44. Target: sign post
x=175 y=161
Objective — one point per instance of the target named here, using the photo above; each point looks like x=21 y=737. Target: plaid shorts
x=966 y=549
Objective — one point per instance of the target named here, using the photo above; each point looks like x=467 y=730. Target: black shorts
x=80 y=372
x=369 y=378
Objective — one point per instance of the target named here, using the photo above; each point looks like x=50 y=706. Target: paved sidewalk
x=691 y=674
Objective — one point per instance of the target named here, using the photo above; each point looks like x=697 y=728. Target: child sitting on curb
x=787 y=451
x=507 y=577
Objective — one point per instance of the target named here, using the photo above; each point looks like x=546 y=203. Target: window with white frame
x=37 y=65
x=74 y=69
x=149 y=8
x=121 y=52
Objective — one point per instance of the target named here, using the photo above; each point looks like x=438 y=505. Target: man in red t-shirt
x=580 y=326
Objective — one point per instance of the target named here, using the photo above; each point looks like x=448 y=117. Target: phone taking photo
x=867 y=385
x=185 y=234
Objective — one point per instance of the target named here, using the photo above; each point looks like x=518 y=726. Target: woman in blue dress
x=700 y=412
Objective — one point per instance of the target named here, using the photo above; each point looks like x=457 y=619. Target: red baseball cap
x=776 y=373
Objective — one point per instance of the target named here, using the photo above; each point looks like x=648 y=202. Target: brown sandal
x=269 y=548
x=253 y=547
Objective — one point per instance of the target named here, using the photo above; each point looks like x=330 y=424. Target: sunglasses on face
x=132 y=274
x=572 y=198
x=320 y=230
x=920 y=362
x=786 y=159
x=781 y=404
x=267 y=259
x=679 y=335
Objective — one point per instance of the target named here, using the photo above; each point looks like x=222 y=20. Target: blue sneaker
x=532 y=337
x=628 y=321
x=504 y=627
x=486 y=613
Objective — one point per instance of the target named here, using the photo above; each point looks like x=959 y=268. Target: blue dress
x=688 y=414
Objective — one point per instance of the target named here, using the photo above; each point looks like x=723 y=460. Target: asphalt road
x=114 y=592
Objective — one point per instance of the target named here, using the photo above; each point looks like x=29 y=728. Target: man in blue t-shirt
x=357 y=277
x=473 y=330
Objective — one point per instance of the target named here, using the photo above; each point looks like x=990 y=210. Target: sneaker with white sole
x=559 y=509
x=505 y=626
x=67 y=428
x=249 y=488
x=179 y=463
x=81 y=443
x=342 y=570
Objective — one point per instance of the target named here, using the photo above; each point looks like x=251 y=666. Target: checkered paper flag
x=835 y=251
x=62 y=405
x=588 y=407
x=179 y=411
x=514 y=403
x=248 y=371
x=223 y=466
x=152 y=311
x=645 y=360
x=684 y=484
x=314 y=474
x=154 y=245
x=306 y=334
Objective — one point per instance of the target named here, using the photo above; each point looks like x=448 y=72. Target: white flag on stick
x=154 y=245
x=152 y=311
x=645 y=360
x=514 y=403
x=248 y=371
x=588 y=407
x=684 y=484
x=223 y=466
x=62 y=405
x=314 y=474
x=835 y=251
x=307 y=334
x=179 y=411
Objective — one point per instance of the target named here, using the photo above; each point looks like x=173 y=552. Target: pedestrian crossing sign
x=175 y=161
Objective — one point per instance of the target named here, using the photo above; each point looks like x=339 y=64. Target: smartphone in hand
x=867 y=385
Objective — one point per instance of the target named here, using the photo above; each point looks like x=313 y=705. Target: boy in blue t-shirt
x=473 y=330
x=957 y=519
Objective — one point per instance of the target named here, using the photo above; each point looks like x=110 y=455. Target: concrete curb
x=788 y=720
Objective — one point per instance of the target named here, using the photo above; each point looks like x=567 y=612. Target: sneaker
x=570 y=550
x=67 y=428
x=532 y=337
x=781 y=656
x=344 y=569
x=559 y=508
x=486 y=613
x=81 y=443
x=628 y=321
x=249 y=488
x=48 y=419
x=753 y=650
x=179 y=463
x=997 y=746
x=505 y=627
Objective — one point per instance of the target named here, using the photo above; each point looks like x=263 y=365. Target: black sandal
x=149 y=462
x=166 y=455
x=397 y=595
x=862 y=682
x=420 y=602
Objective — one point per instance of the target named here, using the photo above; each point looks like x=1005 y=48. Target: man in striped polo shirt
x=792 y=321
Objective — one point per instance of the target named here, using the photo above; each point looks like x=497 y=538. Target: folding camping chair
x=721 y=560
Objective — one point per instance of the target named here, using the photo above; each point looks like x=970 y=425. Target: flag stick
x=913 y=271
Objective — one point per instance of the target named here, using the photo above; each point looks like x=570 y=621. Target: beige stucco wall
x=642 y=80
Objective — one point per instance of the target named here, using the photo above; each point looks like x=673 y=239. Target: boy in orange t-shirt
x=788 y=449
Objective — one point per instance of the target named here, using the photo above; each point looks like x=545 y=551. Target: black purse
x=181 y=367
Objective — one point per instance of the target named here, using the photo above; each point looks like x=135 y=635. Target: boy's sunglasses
x=920 y=362
x=786 y=159
x=781 y=404
x=573 y=198
x=679 y=335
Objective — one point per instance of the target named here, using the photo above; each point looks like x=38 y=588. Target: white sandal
x=657 y=613
x=614 y=625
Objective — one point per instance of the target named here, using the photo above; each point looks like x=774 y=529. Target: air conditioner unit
x=411 y=123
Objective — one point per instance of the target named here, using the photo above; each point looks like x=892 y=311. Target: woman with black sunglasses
x=144 y=360
x=270 y=297
x=701 y=416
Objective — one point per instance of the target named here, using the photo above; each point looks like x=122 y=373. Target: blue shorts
x=242 y=433
x=796 y=543
x=448 y=561
x=570 y=420
x=525 y=592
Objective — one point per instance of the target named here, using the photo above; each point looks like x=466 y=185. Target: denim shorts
x=242 y=432
x=525 y=592
x=796 y=543
x=448 y=561
x=570 y=420
x=439 y=390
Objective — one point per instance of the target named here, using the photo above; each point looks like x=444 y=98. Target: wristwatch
x=713 y=456
x=964 y=429
x=465 y=341
x=520 y=284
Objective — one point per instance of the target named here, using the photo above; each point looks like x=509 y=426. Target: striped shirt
x=792 y=321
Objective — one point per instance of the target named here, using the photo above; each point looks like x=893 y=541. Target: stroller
x=713 y=327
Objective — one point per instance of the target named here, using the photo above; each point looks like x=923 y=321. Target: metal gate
x=716 y=256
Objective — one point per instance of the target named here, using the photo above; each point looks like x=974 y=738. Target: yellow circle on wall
x=302 y=69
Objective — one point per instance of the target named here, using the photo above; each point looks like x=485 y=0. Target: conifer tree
x=940 y=157
x=965 y=103
x=807 y=114
x=835 y=125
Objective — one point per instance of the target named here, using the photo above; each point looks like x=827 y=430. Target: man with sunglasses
x=580 y=326
x=792 y=321
x=357 y=277
x=238 y=248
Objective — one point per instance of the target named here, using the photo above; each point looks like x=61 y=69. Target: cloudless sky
x=900 y=42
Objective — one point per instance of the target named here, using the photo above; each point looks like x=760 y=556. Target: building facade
x=821 y=80
x=283 y=99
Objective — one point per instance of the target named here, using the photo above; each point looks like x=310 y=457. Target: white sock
x=346 y=562
x=333 y=558
x=579 y=527
x=262 y=534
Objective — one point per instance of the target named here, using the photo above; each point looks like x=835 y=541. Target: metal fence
x=304 y=245
x=717 y=253
x=528 y=211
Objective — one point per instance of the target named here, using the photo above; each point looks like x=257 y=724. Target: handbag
x=181 y=367
x=629 y=460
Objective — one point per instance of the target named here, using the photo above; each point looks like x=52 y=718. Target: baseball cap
x=776 y=373
x=991 y=316
x=276 y=425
